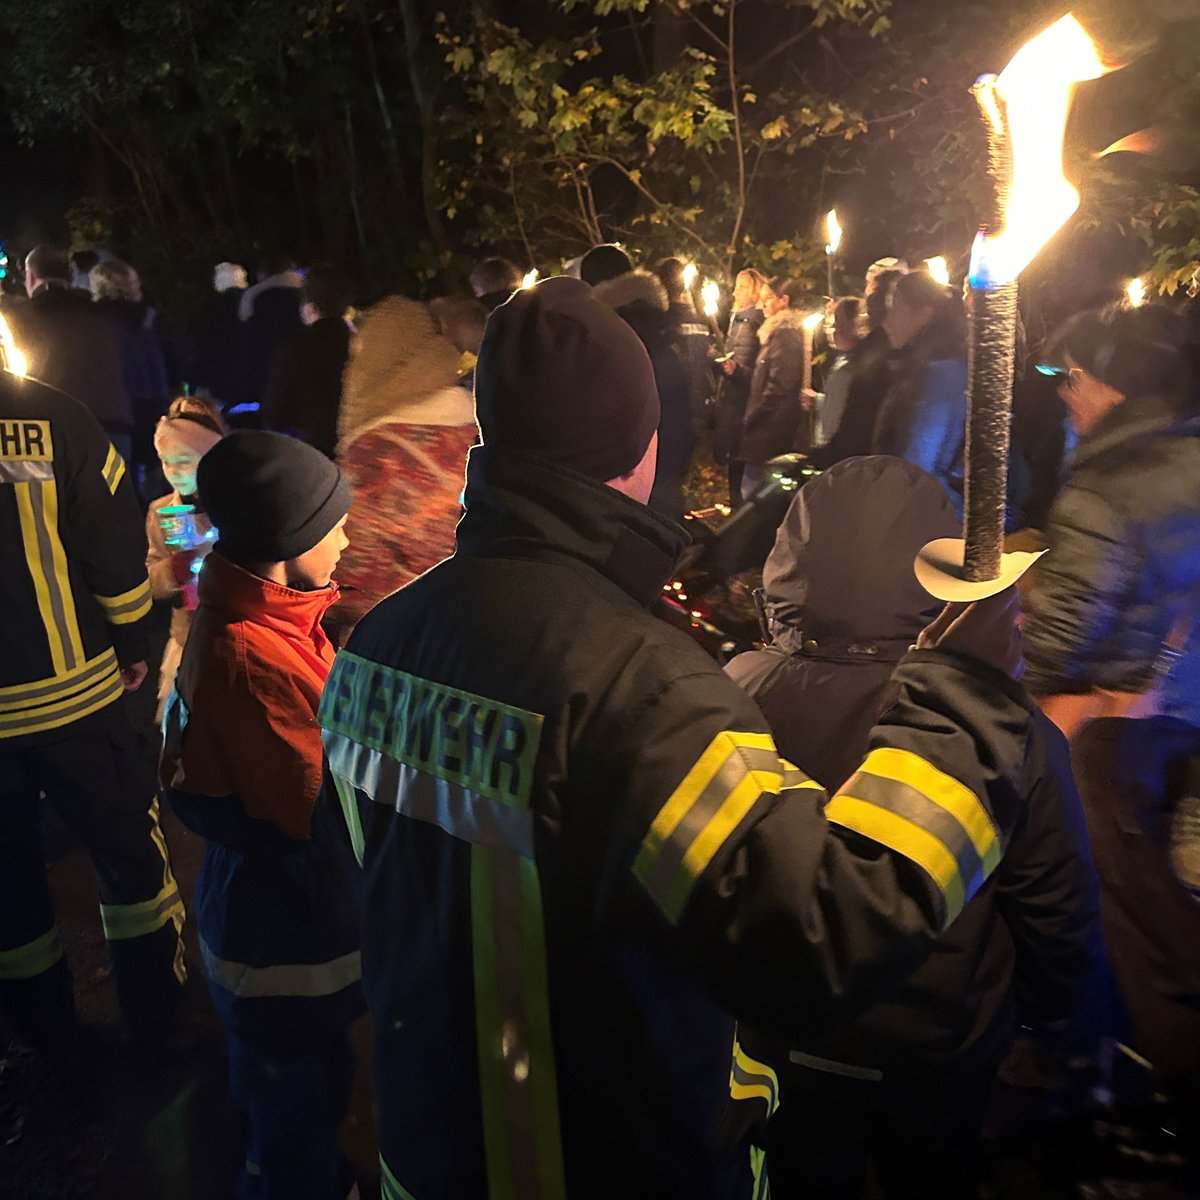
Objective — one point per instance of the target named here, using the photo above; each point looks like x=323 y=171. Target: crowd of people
x=626 y=920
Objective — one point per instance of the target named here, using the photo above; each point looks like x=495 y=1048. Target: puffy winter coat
x=277 y=922
x=1124 y=560
x=742 y=344
x=773 y=413
x=870 y=373
x=639 y=299
x=581 y=853
x=843 y=606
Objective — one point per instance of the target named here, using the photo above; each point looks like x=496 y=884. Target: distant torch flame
x=529 y=278
x=834 y=231
x=710 y=294
x=1036 y=88
x=939 y=272
x=689 y=275
x=812 y=321
x=1135 y=292
x=14 y=359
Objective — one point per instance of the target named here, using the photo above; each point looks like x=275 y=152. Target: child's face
x=314 y=568
x=180 y=470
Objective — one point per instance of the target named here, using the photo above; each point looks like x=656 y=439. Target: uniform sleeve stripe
x=114 y=469
x=943 y=790
x=910 y=841
x=714 y=797
x=751 y=1079
x=129 y=606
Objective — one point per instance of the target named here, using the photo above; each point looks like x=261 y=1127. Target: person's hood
x=839 y=582
x=786 y=318
x=633 y=288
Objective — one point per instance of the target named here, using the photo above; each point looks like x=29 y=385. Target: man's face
x=314 y=569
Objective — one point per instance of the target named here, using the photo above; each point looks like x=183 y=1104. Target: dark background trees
x=404 y=137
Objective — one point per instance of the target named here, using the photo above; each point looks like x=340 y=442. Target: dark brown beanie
x=561 y=375
x=269 y=496
x=604 y=262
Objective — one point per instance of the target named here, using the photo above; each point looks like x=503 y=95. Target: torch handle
x=992 y=333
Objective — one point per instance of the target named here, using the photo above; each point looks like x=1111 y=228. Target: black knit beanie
x=270 y=497
x=604 y=262
x=562 y=376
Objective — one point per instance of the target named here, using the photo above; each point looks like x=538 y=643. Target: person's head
x=113 y=279
x=191 y=428
x=82 y=262
x=495 y=277
x=1114 y=358
x=880 y=297
x=846 y=314
x=916 y=300
x=879 y=268
x=604 y=262
x=563 y=377
x=46 y=264
x=670 y=275
x=326 y=293
x=460 y=319
x=227 y=275
x=278 y=505
x=780 y=292
x=746 y=288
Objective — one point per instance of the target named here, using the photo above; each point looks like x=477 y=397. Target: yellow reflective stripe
x=33 y=958
x=944 y=790
x=750 y=1079
x=349 y=803
x=114 y=469
x=392 y=1188
x=168 y=881
x=759 y=1173
x=122 y=921
x=58 y=557
x=38 y=692
x=907 y=839
x=41 y=585
x=129 y=606
x=63 y=712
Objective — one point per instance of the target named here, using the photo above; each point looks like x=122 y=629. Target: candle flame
x=811 y=322
x=710 y=294
x=834 y=232
x=1135 y=292
x=689 y=275
x=939 y=272
x=529 y=278
x=14 y=360
x=1036 y=88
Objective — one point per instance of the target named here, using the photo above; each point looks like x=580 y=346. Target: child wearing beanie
x=178 y=539
x=277 y=923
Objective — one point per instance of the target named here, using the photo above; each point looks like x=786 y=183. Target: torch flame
x=529 y=278
x=689 y=275
x=710 y=294
x=811 y=322
x=1036 y=87
x=939 y=272
x=834 y=230
x=14 y=360
x=1135 y=292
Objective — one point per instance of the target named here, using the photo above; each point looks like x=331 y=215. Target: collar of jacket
x=786 y=318
x=235 y=591
x=519 y=505
x=1151 y=415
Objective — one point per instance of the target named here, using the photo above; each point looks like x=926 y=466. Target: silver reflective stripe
x=463 y=814
x=311 y=980
x=830 y=1067
x=25 y=471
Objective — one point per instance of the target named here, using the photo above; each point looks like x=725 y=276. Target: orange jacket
x=250 y=681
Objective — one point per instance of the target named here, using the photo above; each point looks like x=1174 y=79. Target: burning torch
x=834 y=232
x=1025 y=110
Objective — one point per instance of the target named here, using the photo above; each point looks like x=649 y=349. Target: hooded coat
x=773 y=412
x=640 y=300
x=843 y=606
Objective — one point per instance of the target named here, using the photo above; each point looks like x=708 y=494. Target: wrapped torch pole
x=991 y=342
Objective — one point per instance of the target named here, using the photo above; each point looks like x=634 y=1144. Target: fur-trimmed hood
x=786 y=318
x=635 y=287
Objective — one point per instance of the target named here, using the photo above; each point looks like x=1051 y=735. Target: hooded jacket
x=1124 y=561
x=843 y=605
x=241 y=761
x=581 y=853
x=773 y=413
x=640 y=300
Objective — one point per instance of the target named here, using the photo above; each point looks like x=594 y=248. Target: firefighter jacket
x=583 y=856
x=73 y=580
x=277 y=922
